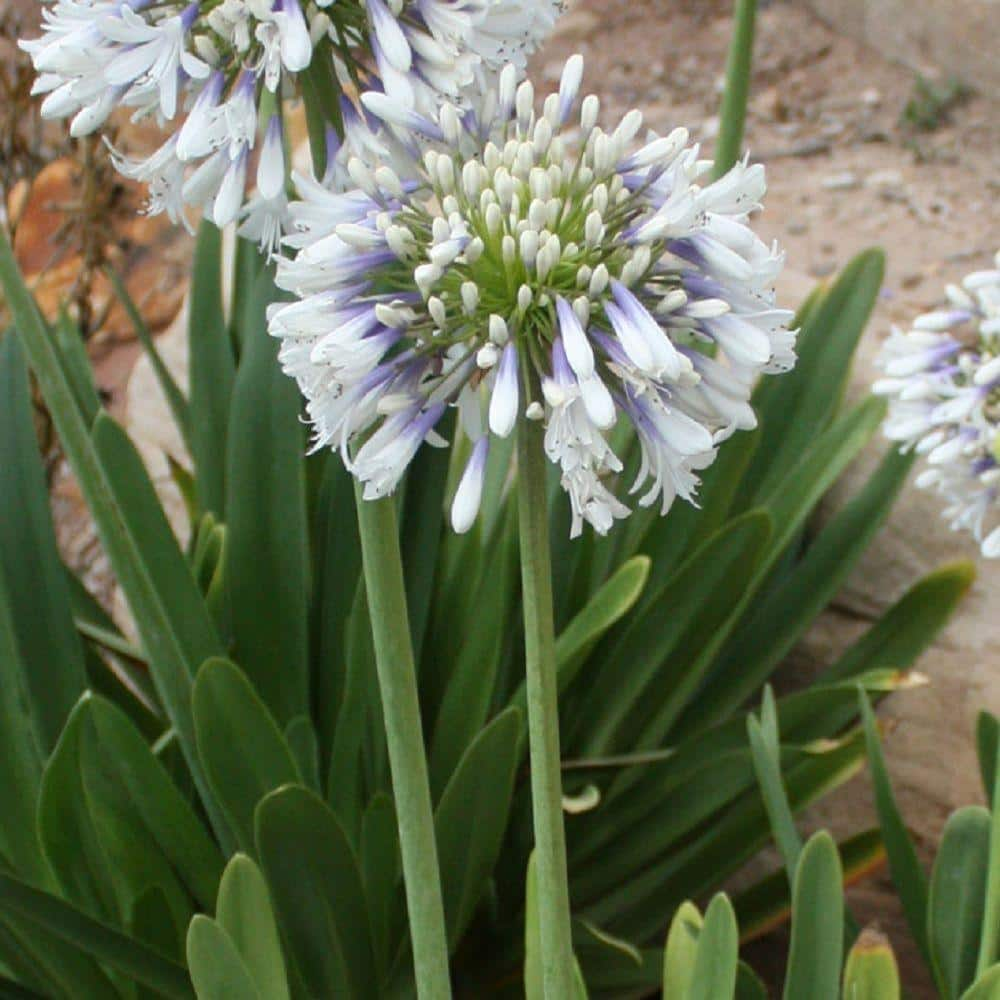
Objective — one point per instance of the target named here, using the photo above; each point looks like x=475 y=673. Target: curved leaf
x=217 y=968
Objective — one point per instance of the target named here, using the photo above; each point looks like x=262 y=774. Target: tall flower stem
x=733 y=113
x=404 y=735
x=543 y=714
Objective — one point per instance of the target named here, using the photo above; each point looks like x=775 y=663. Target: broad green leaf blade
x=301 y=739
x=471 y=818
x=871 y=972
x=212 y=371
x=748 y=984
x=907 y=874
x=244 y=754
x=71 y=925
x=267 y=562
x=681 y=950
x=768 y=903
x=601 y=956
x=67 y=339
x=795 y=408
x=179 y=409
x=956 y=899
x=168 y=817
x=244 y=913
x=817 y=923
x=318 y=894
x=714 y=976
x=151 y=921
x=38 y=598
x=217 y=968
x=909 y=626
x=169 y=657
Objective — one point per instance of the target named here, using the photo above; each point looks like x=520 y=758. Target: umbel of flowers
x=942 y=378
x=538 y=265
x=213 y=73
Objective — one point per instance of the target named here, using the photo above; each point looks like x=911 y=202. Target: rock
x=847 y=180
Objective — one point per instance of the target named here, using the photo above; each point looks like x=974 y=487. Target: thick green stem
x=404 y=736
x=990 y=932
x=543 y=715
x=733 y=114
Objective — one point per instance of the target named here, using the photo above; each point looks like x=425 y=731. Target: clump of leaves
x=931 y=103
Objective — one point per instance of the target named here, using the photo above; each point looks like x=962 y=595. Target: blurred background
x=877 y=121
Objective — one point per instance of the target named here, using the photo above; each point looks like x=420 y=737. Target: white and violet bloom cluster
x=942 y=378
x=511 y=277
x=214 y=73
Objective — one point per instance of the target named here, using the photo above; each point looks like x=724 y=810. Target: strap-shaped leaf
x=381 y=869
x=714 y=975
x=956 y=900
x=244 y=912
x=218 y=970
x=130 y=957
x=681 y=950
x=317 y=893
x=907 y=874
x=212 y=371
x=871 y=972
x=267 y=567
x=795 y=409
x=471 y=818
x=986 y=987
x=987 y=739
x=817 y=923
x=53 y=677
x=243 y=752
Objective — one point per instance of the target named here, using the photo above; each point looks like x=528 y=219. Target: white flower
x=942 y=378
x=498 y=272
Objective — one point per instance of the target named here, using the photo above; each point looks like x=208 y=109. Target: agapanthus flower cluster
x=533 y=266
x=214 y=74
x=942 y=378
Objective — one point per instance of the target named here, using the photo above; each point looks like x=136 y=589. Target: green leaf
x=267 y=567
x=748 y=984
x=168 y=818
x=477 y=798
x=117 y=950
x=301 y=739
x=681 y=950
x=179 y=409
x=986 y=987
x=957 y=898
x=909 y=626
x=871 y=972
x=714 y=976
x=50 y=651
x=242 y=750
x=779 y=620
x=244 y=913
x=907 y=874
x=168 y=635
x=817 y=923
x=732 y=114
x=812 y=391
x=318 y=894
x=381 y=869
x=212 y=371
x=21 y=756
x=467 y=698
x=987 y=738
x=217 y=968
x=639 y=686
x=67 y=339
